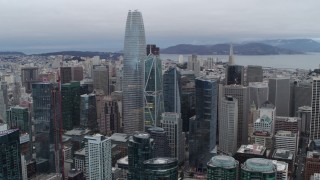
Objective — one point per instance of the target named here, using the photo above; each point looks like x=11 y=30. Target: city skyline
x=60 y=25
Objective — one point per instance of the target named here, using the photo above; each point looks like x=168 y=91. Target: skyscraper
x=194 y=65
x=10 y=160
x=315 y=110
x=231 y=58
x=101 y=78
x=19 y=117
x=88 y=115
x=234 y=75
x=153 y=94
x=29 y=75
x=203 y=130
x=161 y=142
x=109 y=118
x=66 y=74
x=279 y=95
x=254 y=74
x=222 y=167
x=228 y=118
x=133 y=73
x=140 y=149
x=98 y=157
x=258 y=93
x=171 y=90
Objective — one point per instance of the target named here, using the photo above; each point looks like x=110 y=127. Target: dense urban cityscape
x=133 y=115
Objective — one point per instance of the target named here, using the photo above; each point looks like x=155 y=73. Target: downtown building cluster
x=141 y=117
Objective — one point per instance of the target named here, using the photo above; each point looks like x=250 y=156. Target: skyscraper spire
x=231 y=60
x=133 y=73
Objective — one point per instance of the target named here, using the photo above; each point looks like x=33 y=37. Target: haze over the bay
x=98 y=25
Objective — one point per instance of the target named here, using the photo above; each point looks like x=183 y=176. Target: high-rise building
x=77 y=73
x=315 y=112
x=10 y=165
x=161 y=142
x=286 y=156
x=222 y=167
x=66 y=74
x=258 y=93
x=70 y=97
x=29 y=75
x=287 y=124
x=312 y=164
x=203 y=130
x=101 y=78
x=172 y=125
x=301 y=96
x=161 y=168
x=153 y=94
x=98 y=157
x=19 y=118
x=241 y=94
x=133 y=73
x=171 y=90
x=286 y=140
x=88 y=112
x=194 y=65
x=258 y=168
x=234 y=75
x=254 y=74
x=109 y=118
x=228 y=118
x=140 y=149
x=304 y=113
x=3 y=101
x=279 y=95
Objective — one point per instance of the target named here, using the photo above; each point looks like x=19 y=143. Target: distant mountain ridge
x=90 y=54
x=11 y=53
x=302 y=45
x=223 y=49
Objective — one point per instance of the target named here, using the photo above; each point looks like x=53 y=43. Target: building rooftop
x=252 y=149
x=77 y=132
x=259 y=165
x=258 y=84
x=160 y=160
x=141 y=135
x=281 y=166
x=282 y=154
x=313 y=154
x=268 y=105
x=305 y=108
x=120 y=137
x=287 y=119
x=285 y=133
x=81 y=152
x=6 y=132
x=223 y=162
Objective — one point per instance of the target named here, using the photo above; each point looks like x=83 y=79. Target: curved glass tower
x=133 y=73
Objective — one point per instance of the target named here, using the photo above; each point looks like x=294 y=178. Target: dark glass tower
x=234 y=75
x=88 y=112
x=161 y=143
x=161 y=168
x=133 y=73
x=10 y=160
x=18 y=117
x=140 y=148
x=171 y=90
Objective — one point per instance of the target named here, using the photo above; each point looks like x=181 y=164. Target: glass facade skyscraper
x=161 y=168
x=133 y=73
x=153 y=96
x=172 y=90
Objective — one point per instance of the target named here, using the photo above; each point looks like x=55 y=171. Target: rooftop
x=285 y=133
x=287 y=119
x=252 y=149
x=259 y=165
x=160 y=160
x=77 y=132
x=268 y=105
x=120 y=137
x=223 y=161
x=281 y=166
x=283 y=154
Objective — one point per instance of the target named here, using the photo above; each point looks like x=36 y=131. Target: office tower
x=10 y=166
x=98 y=157
x=3 y=101
x=315 y=110
x=287 y=124
x=228 y=118
x=312 y=164
x=258 y=168
x=286 y=156
x=222 y=167
x=301 y=96
x=254 y=114
x=109 y=120
x=258 y=93
x=181 y=60
x=304 y=113
x=254 y=74
x=153 y=94
x=29 y=75
x=203 y=129
x=172 y=125
x=286 y=140
x=279 y=95
x=44 y=125
x=171 y=90
x=194 y=65
x=241 y=94
x=234 y=75
x=282 y=170
x=187 y=108
x=119 y=79
x=88 y=112
x=65 y=74
x=140 y=148
x=101 y=78
x=133 y=73
x=249 y=151
x=161 y=168
x=161 y=142
x=231 y=58
x=77 y=73
x=70 y=98
x=19 y=118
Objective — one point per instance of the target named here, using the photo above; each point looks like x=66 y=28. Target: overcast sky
x=53 y=25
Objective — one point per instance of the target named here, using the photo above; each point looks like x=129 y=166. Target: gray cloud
x=99 y=24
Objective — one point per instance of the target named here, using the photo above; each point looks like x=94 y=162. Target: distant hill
x=302 y=45
x=223 y=49
x=90 y=54
x=11 y=53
